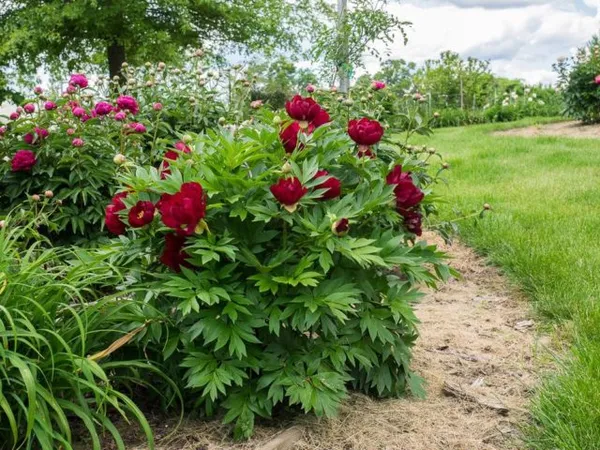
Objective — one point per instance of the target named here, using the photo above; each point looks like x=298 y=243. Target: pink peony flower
x=157 y=106
x=2 y=130
x=78 y=79
x=256 y=104
x=137 y=127
x=29 y=108
x=78 y=111
x=70 y=131
x=14 y=115
x=38 y=90
x=310 y=88
x=377 y=85
x=49 y=106
x=102 y=109
x=29 y=138
x=41 y=132
x=120 y=116
x=23 y=161
x=128 y=103
x=77 y=142
x=71 y=89
x=597 y=79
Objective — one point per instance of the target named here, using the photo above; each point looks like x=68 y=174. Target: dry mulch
x=476 y=335
x=563 y=129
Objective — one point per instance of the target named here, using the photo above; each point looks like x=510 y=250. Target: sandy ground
x=566 y=129
x=476 y=333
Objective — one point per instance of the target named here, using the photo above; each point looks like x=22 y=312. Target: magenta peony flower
x=38 y=90
x=71 y=89
x=77 y=142
x=78 y=111
x=102 y=109
x=14 y=115
x=128 y=103
x=310 y=88
x=41 y=132
x=29 y=108
x=120 y=116
x=78 y=79
x=597 y=79
x=377 y=85
x=3 y=130
x=29 y=138
x=23 y=161
x=137 y=127
x=49 y=106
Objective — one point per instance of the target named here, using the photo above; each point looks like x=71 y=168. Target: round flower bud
x=157 y=106
x=436 y=114
x=124 y=65
x=446 y=166
x=487 y=206
x=161 y=66
x=35 y=198
x=370 y=96
x=119 y=159
x=48 y=194
x=287 y=167
x=59 y=202
x=38 y=90
x=186 y=138
x=70 y=131
x=148 y=64
x=363 y=99
x=276 y=120
x=131 y=81
x=2 y=223
x=198 y=53
x=149 y=83
x=340 y=227
x=222 y=121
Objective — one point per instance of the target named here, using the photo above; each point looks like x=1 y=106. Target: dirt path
x=476 y=335
x=565 y=129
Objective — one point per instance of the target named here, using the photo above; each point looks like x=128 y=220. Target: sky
x=521 y=38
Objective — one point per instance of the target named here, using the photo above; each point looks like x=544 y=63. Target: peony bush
x=579 y=82
x=74 y=143
x=285 y=253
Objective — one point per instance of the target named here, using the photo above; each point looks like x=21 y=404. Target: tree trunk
x=116 y=57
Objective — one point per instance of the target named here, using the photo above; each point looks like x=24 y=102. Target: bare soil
x=476 y=334
x=565 y=129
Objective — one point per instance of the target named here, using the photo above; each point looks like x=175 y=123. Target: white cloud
x=521 y=38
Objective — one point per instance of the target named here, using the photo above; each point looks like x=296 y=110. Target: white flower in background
x=529 y=99
x=541 y=102
x=534 y=95
x=527 y=90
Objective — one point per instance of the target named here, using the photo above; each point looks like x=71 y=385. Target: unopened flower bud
x=2 y=223
x=446 y=166
x=340 y=227
x=48 y=194
x=119 y=159
x=186 y=138
x=148 y=64
x=276 y=120
x=436 y=114
x=487 y=206
x=124 y=65
x=59 y=202
x=35 y=198
x=149 y=83
x=348 y=102
x=222 y=121
x=287 y=167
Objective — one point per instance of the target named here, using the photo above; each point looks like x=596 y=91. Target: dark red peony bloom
x=321 y=119
x=78 y=79
x=42 y=132
x=289 y=136
x=173 y=255
x=128 y=103
x=173 y=155
x=332 y=184
x=365 y=131
x=23 y=161
x=302 y=108
x=182 y=211
x=407 y=194
x=102 y=109
x=340 y=227
x=412 y=221
x=288 y=191
x=28 y=138
x=142 y=213
x=113 y=221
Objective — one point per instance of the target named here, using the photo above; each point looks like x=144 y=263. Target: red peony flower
x=23 y=161
x=413 y=221
x=142 y=213
x=302 y=109
x=332 y=184
x=365 y=131
x=113 y=221
x=340 y=227
x=407 y=194
x=102 y=109
x=78 y=79
x=173 y=255
x=321 y=119
x=28 y=138
x=289 y=136
x=182 y=211
x=49 y=106
x=288 y=192
x=128 y=103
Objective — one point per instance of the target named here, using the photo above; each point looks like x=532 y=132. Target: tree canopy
x=77 y=32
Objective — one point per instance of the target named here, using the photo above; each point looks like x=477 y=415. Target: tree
x=108 y=32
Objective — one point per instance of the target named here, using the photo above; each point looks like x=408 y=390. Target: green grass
x=545 y=195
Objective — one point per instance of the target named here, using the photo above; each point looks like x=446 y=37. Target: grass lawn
x=545 y=232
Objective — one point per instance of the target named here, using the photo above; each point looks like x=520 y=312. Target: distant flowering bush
x=287 y=261
x=579 y=82
x=74 y=143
